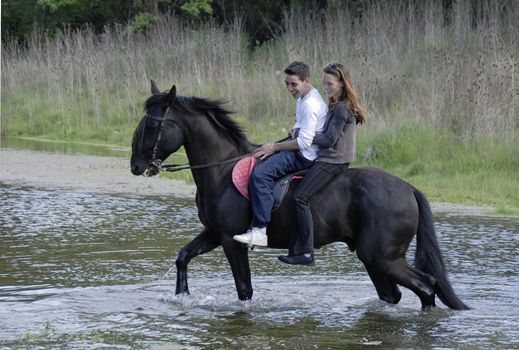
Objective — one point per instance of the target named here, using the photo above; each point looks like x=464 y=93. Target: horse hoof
x=392 y=299
x=428 y=307
x=428 y=301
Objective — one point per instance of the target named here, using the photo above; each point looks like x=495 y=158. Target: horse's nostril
x=135 y=169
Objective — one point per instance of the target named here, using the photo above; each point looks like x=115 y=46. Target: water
x=65 y=147
x=85 y=271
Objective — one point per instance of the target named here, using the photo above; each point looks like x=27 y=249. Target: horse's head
x=157 y=135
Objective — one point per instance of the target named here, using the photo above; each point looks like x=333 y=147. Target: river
x=92 y=270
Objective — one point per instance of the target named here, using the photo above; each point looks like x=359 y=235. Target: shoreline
x=111 y=175
x=83 y=173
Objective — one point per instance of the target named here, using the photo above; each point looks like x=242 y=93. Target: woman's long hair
x=348 y=93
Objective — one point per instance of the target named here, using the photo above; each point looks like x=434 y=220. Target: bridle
x=154 y=161
x=157 y=162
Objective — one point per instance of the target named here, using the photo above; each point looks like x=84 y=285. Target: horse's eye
x=152 y=126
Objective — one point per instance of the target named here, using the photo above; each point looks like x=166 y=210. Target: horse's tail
x=428 y=257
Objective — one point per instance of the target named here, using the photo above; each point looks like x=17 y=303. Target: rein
x=178 y=167
x=157 y=163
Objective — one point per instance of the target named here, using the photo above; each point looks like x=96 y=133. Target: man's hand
x=293 y=133
x=264 y=151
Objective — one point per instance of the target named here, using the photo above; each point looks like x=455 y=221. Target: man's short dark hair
x=298 y=68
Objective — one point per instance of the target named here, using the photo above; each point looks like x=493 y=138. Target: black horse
x=376 y=214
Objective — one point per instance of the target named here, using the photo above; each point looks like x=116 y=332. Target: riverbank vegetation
x=441 y=88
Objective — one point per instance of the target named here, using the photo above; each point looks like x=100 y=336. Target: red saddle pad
x=241 y=175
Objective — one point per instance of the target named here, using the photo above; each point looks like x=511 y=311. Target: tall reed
x=409 y=64
x=406 y=60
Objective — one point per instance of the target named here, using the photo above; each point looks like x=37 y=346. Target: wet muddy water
x=85 y=271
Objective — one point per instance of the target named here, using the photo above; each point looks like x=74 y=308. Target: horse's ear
x=154 y=89
x=172 y=94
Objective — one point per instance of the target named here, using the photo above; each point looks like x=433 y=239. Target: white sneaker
x=255 y=236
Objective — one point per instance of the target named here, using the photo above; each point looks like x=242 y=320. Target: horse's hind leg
x=422 y=284
x=238 y=256
x=201 y=244
x=396 y=269
x=385 y=255
x=387 y=291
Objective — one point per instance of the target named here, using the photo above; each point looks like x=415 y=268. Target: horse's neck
x=205 y=148
x=210 y=180
x=200 y=152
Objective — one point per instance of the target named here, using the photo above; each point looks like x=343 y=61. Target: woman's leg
x=319 y=175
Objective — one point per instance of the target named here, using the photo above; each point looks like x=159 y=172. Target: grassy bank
x=446 y=168
x=442 y=95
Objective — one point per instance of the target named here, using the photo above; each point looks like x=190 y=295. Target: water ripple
x=97 y=271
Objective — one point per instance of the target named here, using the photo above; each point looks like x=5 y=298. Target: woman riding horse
x=376 y=214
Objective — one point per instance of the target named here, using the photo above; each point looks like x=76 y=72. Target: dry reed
x=406 y=62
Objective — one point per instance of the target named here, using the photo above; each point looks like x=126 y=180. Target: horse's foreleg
x=238 y=256
x=201 y=244
x=387 y=291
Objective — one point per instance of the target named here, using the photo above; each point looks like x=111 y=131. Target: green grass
x=446 y=169
x=34 y=114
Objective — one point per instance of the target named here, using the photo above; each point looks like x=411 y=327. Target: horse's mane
x=214 y=110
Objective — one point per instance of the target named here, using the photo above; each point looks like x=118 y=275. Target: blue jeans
x=262 y=181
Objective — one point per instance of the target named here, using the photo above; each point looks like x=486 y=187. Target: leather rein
x=157 y=163
x=178 y=167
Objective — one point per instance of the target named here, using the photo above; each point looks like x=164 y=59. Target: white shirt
x=310 y=118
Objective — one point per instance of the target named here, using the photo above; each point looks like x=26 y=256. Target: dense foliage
x=262 y=19
x=21 y=17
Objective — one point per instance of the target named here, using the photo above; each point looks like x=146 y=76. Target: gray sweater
x=337 y=142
